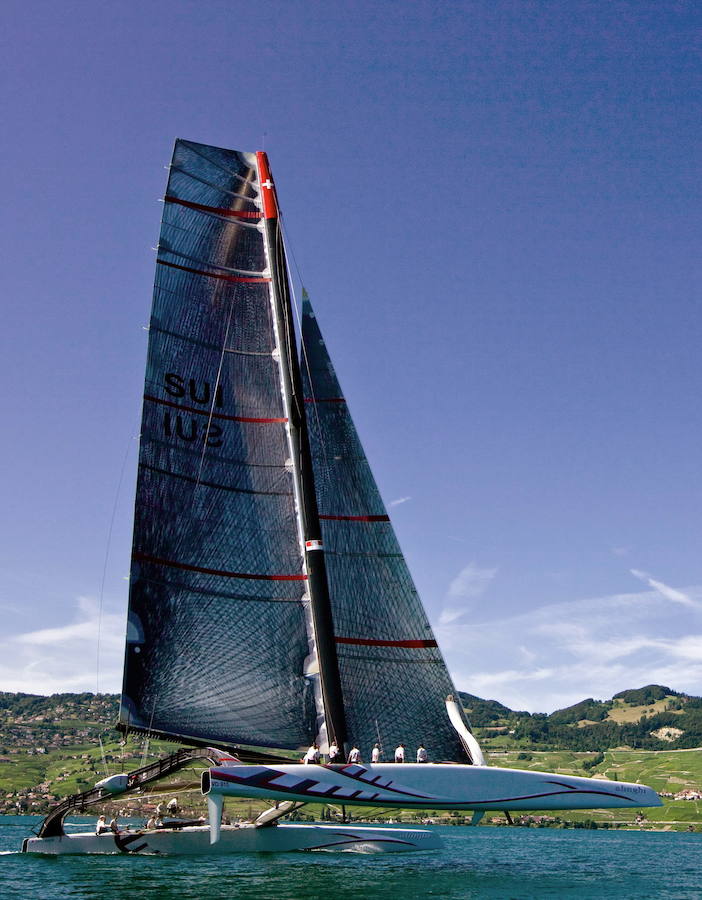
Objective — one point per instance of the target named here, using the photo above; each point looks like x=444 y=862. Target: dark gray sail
x=393 y=678
x=217 y=638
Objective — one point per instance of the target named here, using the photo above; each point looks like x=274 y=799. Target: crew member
x=400 y=753
x=312 y=755
x=421 y=754
x=354 y=755
x=375 y=753
x=333 y=752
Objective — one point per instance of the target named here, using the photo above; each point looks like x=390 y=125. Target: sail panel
x=394 y=680
x=217 y=568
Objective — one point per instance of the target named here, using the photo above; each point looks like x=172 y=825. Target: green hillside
x=652 y=718
x=51 y=747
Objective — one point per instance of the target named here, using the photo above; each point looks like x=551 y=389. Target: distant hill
x=653 y=717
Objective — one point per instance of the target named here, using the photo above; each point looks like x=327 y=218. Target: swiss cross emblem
x=267 y=184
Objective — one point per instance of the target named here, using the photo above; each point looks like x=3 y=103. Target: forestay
x=216 y=639
x=393 y=678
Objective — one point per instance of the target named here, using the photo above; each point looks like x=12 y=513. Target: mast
x=312 y=534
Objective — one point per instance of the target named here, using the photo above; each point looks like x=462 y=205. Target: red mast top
x=268 y=195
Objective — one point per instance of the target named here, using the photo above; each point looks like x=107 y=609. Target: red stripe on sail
x=325 y=399
x=239 y=279
x=200 y=207
x=144 y=557
x=357 y=518
x=371 y=642
x=206 y=412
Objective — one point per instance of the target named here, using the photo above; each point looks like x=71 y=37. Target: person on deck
x=333 y=752
x=101 y=826
x=312 y=756
x=354 y=755
x=114 y=827
x=400 y=753
x=160 y=810
x=421 y=754
x=172 y=807
x=151 y=823
x=375 y=753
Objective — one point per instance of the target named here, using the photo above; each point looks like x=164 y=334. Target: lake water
x=483 y=862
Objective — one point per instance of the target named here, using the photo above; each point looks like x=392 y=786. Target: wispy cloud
x=557 y=654
x=471 y=582
x=399 y=501
x=665 y=590
x=64 y=657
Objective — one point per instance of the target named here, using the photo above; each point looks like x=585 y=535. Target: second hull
x=195 y=841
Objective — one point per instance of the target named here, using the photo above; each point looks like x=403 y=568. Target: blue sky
x=495 y=208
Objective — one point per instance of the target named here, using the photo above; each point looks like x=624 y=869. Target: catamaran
x=270 y=605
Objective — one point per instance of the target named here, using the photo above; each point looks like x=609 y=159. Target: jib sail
x=394 y=680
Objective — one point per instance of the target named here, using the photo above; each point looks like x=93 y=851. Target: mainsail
x=393 y=678
x=217 y=636
x=253 y=619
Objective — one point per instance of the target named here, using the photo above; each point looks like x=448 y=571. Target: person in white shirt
x=421 y=754
x=101 y=826
x=400 y=753
x=312 y=755
x=375 y=754
x=354 y=755
x=333 y=752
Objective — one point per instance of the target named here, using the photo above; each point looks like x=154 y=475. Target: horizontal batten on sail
x=155 y=560
x=217 y=187
x=372 y=642
x=192 y=147
x=197 y=343
x=356 y=518
x=216 y=210
x=239 y=279
x=224 y=595
x=214 y=415
x=212 y=484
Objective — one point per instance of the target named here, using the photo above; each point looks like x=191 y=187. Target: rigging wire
x=303 y=346
x=214 y=397
x=106 y=560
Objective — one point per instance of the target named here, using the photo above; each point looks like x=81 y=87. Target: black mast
x=312 y=533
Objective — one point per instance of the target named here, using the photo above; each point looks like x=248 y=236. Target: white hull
x=195 y=840
x=426 y=786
